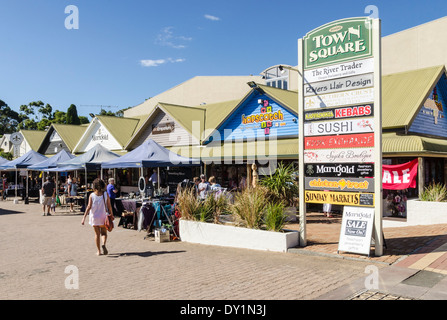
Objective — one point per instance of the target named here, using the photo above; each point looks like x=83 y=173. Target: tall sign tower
x=340 y=128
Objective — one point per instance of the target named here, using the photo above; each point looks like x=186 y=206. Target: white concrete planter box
x=421 y=213
x=237 y=237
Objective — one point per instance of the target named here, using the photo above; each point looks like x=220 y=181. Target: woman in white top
x=98 y=208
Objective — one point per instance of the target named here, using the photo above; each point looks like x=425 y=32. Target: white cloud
x=167 y=38
x=158 y=62
x=212 y=18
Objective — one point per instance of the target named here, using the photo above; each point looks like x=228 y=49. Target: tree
x=72 y=115
x=59 y=117
x=83 y=120
x=9 y=119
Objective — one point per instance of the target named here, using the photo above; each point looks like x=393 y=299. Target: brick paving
x=41 y=256
x=402 y=242
x=377 y=295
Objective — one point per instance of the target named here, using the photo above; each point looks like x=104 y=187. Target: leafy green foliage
x=434 y=192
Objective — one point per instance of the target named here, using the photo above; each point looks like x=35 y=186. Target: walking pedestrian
x=49 y=194
x=98 y=208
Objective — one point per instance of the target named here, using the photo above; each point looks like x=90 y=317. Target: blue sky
x=127 y=51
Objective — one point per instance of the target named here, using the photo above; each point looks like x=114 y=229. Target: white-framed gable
x=97 y=133
x=164 y=129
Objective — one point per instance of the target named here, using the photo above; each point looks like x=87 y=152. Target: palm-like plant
x=281 y=185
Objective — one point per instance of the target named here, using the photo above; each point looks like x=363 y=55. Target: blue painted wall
x=283 y=122
x=432 y=118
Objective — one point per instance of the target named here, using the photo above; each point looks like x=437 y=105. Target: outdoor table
x=129 y=205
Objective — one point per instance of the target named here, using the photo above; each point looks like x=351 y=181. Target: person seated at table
x=214 y=185
x=72 y=192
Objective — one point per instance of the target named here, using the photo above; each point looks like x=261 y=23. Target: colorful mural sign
x=341 y=141
x=265 y=117
x=345 y=170
x=340 y=198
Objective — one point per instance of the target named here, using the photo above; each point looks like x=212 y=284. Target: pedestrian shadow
x=5 y=212
x=144 y=254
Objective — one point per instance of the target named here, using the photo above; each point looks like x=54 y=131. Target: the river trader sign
x=338 y=41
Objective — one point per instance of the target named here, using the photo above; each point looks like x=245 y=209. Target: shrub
x=189 y=206
x=249 y=206
x=274 y=218
x=281 y=185
x=434 y=192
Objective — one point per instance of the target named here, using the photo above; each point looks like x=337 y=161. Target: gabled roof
x=33 y=137
x=122 y=129
x=404 y=93
x=185 y=116
x=69 y=133
x=287 y=98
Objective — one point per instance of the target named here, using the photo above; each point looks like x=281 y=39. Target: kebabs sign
x=340 y=116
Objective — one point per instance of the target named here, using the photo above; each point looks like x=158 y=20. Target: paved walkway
x=42 y=256
x=416 y=242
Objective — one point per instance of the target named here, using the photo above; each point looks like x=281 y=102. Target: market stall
x=150 y=155
x=23 y=162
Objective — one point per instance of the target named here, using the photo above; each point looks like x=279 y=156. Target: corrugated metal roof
x=122 y=129
x=34 y=138
x=394 y=143
x=404 y=93
x=186 y=116
x=70 y=133
x=289 y=99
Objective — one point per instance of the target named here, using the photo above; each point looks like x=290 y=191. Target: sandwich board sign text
x=356 y=230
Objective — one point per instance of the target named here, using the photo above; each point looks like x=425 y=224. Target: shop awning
x=261 y=150
x=394 y=144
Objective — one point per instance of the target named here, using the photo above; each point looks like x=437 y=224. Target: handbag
x=108 y=223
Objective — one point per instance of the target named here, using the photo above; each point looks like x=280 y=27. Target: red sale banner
x=341 y=141
x=400 y=176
